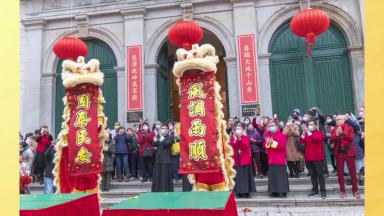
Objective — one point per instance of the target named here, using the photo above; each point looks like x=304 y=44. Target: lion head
x=80 y=73
x=198 y=60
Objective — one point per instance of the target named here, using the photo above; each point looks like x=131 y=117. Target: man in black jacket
x=50 y=165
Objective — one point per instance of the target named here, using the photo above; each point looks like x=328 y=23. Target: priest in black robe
x=162 y=175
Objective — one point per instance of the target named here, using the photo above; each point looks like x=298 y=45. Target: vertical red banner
x=134 y=78
x=198 y=148
x=248 y=70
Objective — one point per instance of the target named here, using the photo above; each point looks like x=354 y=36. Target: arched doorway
x=168 y=98
x=101 y=51
x=322 y=80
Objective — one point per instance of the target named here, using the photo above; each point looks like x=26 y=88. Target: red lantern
x=309 y=23
x=70 y=48
x=184 y=34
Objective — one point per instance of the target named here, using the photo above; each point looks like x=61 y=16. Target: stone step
x=291 y=201
x=136 y=184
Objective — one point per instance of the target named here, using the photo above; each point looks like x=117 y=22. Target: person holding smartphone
x=145 y=140
x=44 y=141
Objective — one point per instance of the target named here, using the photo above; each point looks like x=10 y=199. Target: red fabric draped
x=84 y=206
x=229 y=210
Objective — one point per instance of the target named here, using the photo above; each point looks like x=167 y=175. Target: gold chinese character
x=81 y=137
x=81 y=119
x=134 y=97
x=197 y=150
x=134 y=64
x=134 y=77
x=83 y=156
x=196 y=108
x=134 y=71
x=197 y=128
x=248 y=68
x=249 y=89
x=134 y=58
x=246 y=54
x=247 y=61
x=83 y=101
x=134 y=84
x=246 y=48
x=248 y=82
x=248 y=75
x=134 y=90
x=195 y=91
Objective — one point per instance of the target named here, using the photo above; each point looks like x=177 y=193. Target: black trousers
x=333 y=162
x=147 y=168
x=294 y=167
x=317 y=175
x=264 y=162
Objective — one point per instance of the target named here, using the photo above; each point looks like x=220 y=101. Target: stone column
x=356 y=59
x=265 y=85
x=32 y=110
x=245 y=23
x=150 y=92
x=233 y=86
x=134 y=35
x=48 y=94
x=121 y=96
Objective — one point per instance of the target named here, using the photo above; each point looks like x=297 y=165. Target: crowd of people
x=264 y=147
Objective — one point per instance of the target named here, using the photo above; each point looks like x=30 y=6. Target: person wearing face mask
x=361 y=118
x=293 y=156
x=256 y=145
x=275 y=147
x=44 y=141
x=242 y=164
x=145 y=139
x=27 y=155
x=327 y=130
x=121 y=154
x=116 y=129
x=263 y=156
x=296 y=115
x=108 y=151
x=229 y=125
x=135 y=158
x=313 y=153
x=162 y=174
x=175 y=157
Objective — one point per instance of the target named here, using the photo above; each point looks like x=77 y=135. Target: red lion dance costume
x=204 y=151
x=81 y=141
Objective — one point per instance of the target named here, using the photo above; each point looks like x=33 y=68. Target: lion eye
x=207 y=54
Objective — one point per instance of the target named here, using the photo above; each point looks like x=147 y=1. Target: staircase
x=298 y=197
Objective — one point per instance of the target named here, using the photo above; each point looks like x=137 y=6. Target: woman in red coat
x=242 y=158
x=275 y=144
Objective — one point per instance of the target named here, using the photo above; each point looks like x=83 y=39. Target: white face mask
x=163 y=131
x=145 y=128
x=305 y=119
x=238 y=132
x=360 y=114
x=158 y=126
x=289 y=123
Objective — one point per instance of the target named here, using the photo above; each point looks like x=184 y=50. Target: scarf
x=26 y=148
x=345 y=131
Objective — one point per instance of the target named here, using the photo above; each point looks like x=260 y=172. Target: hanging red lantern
x=184 y=34
x=310 y=23
x=70 y=48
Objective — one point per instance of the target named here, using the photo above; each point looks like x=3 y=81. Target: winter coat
x=258 y=143
x=122 y=143
x=32 y=144
x=328 y=128
x=292 y=153
x=245 y=152
x=145 y=139
x=133 y=146
x=313 y=145
x=27 y=155
x=276 y=155
x=348 y=138
x=42 y=141
x=49 y=156
x=163 y=153
x=108 y=159
x=24 y=180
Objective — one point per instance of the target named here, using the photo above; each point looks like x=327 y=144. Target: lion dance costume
x=81 y=141
x=205 y=154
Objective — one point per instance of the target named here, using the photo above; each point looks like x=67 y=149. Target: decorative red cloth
x=346 y=140
x=276 y=155
x=83 y=140
x=41 y=144
x=229 y=210
x=24 y=180
x=313 y=146
x=245 y=152
x=84 y=206
x=210 y=178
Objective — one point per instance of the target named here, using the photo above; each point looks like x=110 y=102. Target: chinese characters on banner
x=247 y=65
x=134 y=78
x=83 y=141
x=198 y=150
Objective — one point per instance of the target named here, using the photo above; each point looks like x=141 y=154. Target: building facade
x=331 y=79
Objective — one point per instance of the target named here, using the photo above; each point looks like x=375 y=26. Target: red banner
x=83 y=141
x=134 y=78
x=198 y=151
x=248 y=70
